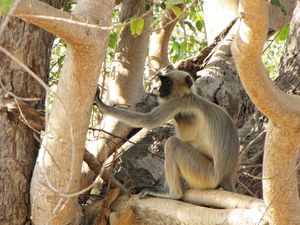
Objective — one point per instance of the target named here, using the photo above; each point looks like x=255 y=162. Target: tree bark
x=282 y=141
x=56 y=177
x=18 y=147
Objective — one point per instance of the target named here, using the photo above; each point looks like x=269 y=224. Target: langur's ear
x=189 y=82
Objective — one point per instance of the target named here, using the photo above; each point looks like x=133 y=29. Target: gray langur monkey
x=204 y=150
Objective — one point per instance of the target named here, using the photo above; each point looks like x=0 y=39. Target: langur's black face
x=166 y=86
x=174 y=84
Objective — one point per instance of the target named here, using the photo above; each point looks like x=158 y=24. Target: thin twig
x=266 y=178
x=246 y=188
x=172 y=20
x=245 y=150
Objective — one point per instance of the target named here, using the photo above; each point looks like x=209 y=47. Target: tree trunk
x=18 y=147
x=57 y=173
x=282 y=141
x=288 y=80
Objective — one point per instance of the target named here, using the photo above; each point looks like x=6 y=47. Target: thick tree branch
x=169 y=211
x=282 y=141
x=71 y=27
x=215 y=198
x=247 y=48
x=60 y=158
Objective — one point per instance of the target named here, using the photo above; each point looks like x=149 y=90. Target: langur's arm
x=157 y=116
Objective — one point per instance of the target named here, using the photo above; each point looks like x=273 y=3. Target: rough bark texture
x=220 y=84
x=282 y=141
x=18 y=147
x=68 y=123
x=145 y=160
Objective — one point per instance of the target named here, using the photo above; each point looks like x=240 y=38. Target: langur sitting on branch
x=204 y=150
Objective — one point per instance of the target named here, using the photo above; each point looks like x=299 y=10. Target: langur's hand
x=102 y=107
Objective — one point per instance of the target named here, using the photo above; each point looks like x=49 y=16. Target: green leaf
x=177 y=11
x=283 y=10
x=175 y=58
x=148 y=7
x=193 y=40
x=190 y=25
x=283 y=34
x=140 y=26
x=137 y=26
x=6 y=4
x=199 y=25
x=275 y=3
x=163 y=6
x=174 y=47
x=113 y=40
x=183 y=46
x=111 y=54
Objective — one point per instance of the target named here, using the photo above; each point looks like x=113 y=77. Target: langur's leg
x=197 y=169
x=194 y=167
x=172 y=168
x=172 y=188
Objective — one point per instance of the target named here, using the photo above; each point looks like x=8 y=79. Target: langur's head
x=174 y=85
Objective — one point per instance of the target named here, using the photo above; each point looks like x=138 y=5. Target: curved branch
x=62 y=23
x=246 y=49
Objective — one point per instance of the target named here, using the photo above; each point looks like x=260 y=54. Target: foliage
x=188 y=37
x=271 y=57
x=5 y=5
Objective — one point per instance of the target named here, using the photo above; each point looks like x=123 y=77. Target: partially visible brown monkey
x=204 y=150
